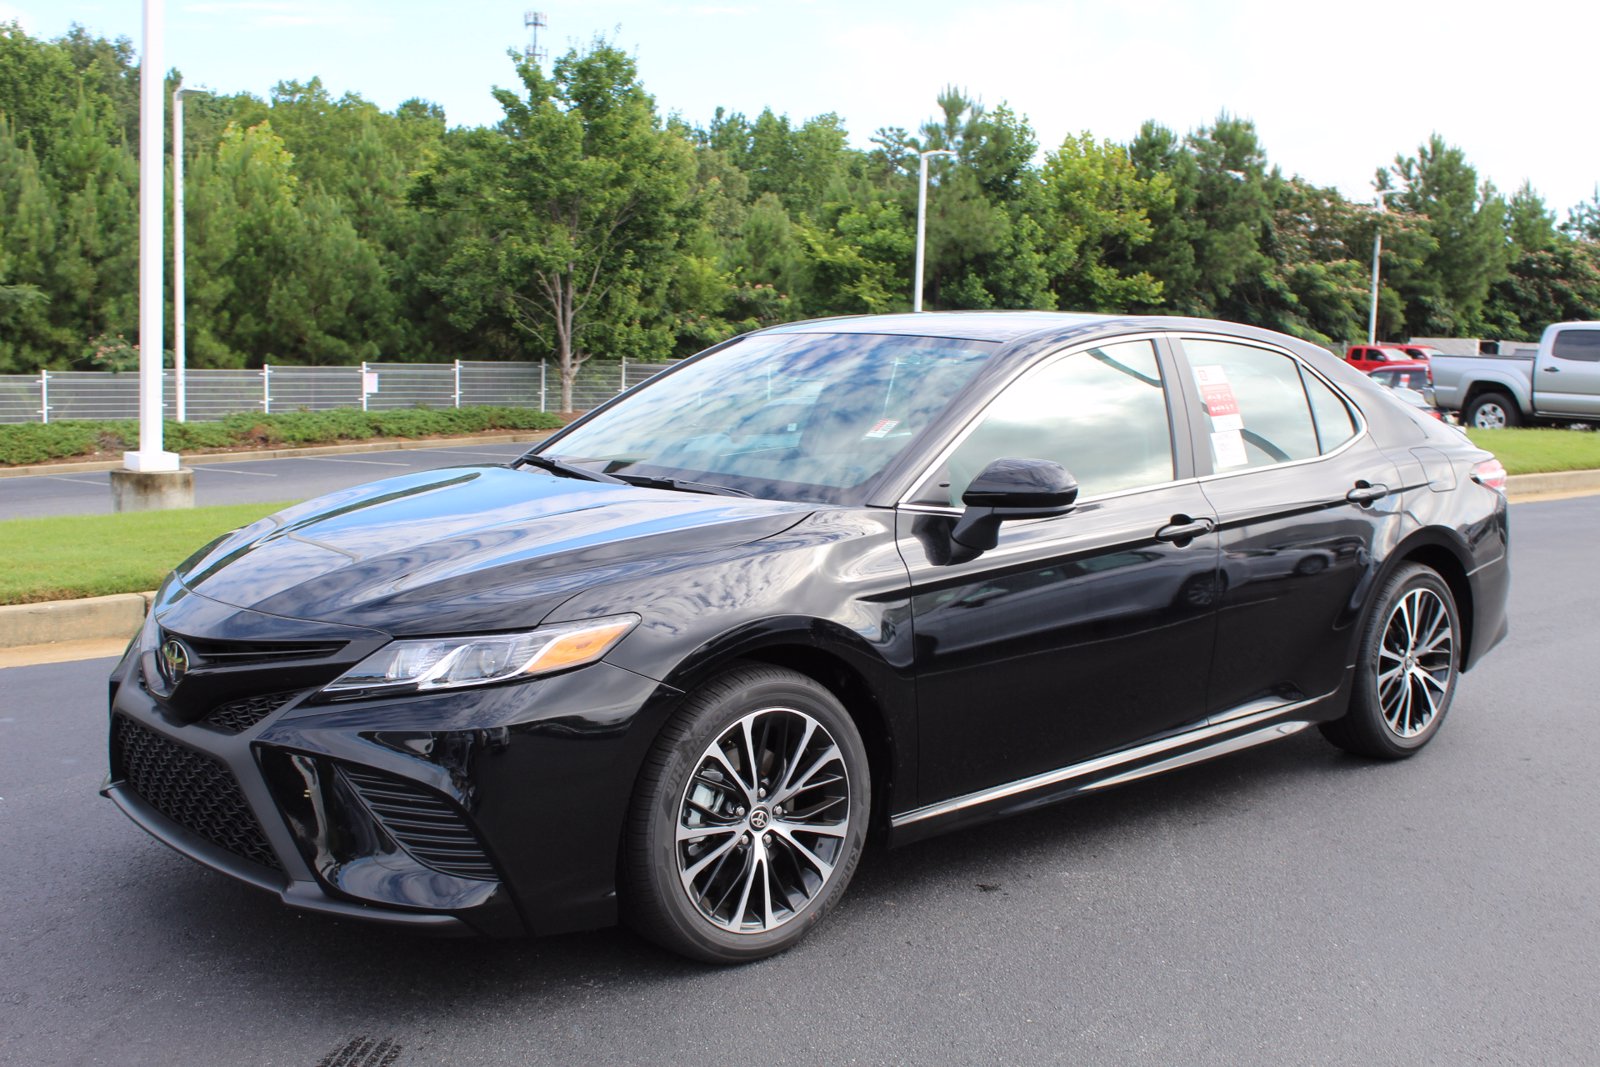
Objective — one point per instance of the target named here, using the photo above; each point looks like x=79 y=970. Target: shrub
x=22 y=443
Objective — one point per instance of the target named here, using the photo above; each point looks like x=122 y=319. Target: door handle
x=1365 y=493
x=1182 y=529
x=1552 y=370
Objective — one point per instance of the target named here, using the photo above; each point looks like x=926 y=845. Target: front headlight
x=419 y=666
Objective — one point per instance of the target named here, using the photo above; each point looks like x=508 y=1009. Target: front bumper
x=496 y=811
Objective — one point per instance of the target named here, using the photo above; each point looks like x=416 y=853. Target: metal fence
x=51 y=396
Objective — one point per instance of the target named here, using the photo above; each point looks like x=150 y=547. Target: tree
x=1465 y=222
x=568 y=212
x=1583 y=221
x=1097 y=211
x=984 y=240
x=28 y=340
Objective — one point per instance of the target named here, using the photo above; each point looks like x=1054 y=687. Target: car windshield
x=790 y=416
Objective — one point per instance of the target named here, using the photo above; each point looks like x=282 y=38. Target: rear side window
x=1335 y=424
x=1255 y=405
x=1580 y=345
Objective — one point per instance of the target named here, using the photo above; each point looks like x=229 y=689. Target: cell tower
x=533 y=22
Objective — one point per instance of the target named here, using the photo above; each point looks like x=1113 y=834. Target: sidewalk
x=61 y=630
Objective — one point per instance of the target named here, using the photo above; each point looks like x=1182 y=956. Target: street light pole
x=1377 y=251
x=922 y=218
x=152 y=65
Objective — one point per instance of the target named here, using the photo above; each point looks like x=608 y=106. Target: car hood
x=466 y=548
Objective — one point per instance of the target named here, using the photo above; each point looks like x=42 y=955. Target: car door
x=1304 y=500
x=1568 y=380
x=1077 y=634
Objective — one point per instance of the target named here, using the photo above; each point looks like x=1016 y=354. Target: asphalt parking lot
x=1287 y=904
x=244 y=480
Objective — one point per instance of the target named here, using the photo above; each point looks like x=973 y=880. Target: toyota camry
x=873 y=577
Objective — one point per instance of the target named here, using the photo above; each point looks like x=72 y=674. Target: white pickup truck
x=1559 y=383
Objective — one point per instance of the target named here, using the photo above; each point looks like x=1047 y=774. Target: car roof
x=1007 y=327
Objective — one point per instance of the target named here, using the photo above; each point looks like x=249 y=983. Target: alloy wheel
x=762 y=821
x=1489 y=417
x=1416 y=662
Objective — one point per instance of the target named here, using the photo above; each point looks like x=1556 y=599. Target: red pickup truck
x=1368 y=358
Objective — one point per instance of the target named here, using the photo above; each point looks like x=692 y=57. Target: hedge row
x=37 y=442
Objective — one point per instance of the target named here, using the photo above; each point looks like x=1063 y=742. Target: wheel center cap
x=758 y=819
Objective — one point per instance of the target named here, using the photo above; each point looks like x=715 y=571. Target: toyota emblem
x=174 y=660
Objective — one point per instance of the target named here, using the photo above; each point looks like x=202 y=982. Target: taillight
x=1490 y=473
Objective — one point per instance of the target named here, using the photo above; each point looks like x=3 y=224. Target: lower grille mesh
x=191 y=789
x=239 y=715
x=423 y=823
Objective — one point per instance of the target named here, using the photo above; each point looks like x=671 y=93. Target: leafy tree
x=1466 y=224
x=1530 y=226
x=1098 y=211
x=28 y=220
x=1583 y=221
x=280 y=274
x=569 y=212
x=983 y=242
x=1171 y=254
x=95 y=266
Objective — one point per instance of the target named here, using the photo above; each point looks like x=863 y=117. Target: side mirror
x=1009 y=489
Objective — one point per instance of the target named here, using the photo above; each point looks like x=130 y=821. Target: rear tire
x=748 y=819
x=1406 y=676
x=1492 y=411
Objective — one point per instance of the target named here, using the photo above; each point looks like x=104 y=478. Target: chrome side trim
x=1109 y=762
x=1221 y=748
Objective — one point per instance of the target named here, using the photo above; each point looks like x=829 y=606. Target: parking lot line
x=366 y=462
x=75 y=481
x=464 y=452
x=229 y=470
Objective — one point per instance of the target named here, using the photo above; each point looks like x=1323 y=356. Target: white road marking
x=75 y=481
x=465 y=452
x=337 y=459
x=230 y=470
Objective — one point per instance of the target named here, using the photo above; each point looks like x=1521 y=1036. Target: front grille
x=240 y=653
x=237 y=716
x=423 y=822
x=192 y=789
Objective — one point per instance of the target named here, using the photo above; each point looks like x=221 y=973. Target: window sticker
x=882 y=427
x=1215 y=391
x=1219 y=423
x=1228 y=449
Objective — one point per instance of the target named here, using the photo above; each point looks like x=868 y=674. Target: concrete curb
x=1527 y=486
x=118 y=617
x=247 y=455
x=55 y=621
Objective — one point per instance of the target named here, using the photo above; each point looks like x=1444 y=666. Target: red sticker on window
x=1219 y=400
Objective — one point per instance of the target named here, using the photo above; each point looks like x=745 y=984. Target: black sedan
x=870 y=576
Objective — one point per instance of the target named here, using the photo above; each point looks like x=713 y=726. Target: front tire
x=748 y=819
x=1409 y=661
x=1492 y=411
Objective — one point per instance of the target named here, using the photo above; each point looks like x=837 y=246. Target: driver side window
x=1100 y=413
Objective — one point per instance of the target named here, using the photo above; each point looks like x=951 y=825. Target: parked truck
x=1558 y=383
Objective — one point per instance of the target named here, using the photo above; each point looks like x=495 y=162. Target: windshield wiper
x=682 y=485
x=566 y=470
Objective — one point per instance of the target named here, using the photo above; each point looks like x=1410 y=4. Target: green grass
x=92 y=555
x=1537 y=451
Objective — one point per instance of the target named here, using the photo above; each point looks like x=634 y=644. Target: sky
x=1336 y=90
